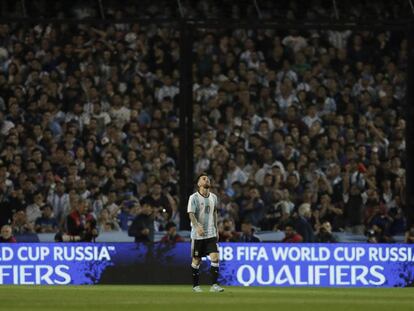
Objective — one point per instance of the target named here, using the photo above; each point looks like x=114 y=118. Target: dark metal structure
x=187 y=27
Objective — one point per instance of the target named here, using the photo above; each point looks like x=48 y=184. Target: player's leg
x=195 y=265
x=214 y=265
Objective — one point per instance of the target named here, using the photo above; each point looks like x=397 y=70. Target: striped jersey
x=203 y=209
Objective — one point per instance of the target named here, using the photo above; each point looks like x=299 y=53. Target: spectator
x=127 y=215
x=6 y=209
x=254 y=209
x=329 y=213
x=409 y=236
x=20 y=224
x=303 y=226
x=234 y=174
x=227 y=232
x=7 y=235
x=171 y=236
x=354 y=208
x=59 y=200
x=324 y=234
x=106 y=223
x=142 y=228
x=247 y=233
x=34 y=210
x=159 y=200
x=377 y=234
x=81 y=226
x=291 y=236
x=46 y=223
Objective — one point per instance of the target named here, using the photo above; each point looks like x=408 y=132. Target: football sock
x=196 y=274
x=214 y=270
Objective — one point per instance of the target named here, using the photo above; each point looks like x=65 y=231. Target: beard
x=207 y=186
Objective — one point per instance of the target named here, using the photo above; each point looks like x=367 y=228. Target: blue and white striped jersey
x=203 y=209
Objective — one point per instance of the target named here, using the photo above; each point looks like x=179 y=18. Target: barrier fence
x=242 y=264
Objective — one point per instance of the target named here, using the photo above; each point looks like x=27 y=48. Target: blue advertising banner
x=242 y=264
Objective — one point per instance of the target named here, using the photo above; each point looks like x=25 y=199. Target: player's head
x=203 y=181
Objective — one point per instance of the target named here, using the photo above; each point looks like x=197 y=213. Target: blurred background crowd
x=300 y=131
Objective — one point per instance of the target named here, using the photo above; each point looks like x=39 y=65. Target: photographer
x=159 y=199
x=142 y=228
x=376 y=234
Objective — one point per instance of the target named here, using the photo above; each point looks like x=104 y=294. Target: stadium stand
x=295 y=128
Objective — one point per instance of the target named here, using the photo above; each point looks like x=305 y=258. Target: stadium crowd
x=88 y=127
x=300 y=132
x=304 y=130
x=293 y=10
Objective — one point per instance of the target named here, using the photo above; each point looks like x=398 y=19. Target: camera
x=370 y=233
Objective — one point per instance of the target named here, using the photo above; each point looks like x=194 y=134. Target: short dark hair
x=201 y=175
x=170 y=225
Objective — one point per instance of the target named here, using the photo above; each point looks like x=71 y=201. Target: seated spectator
x=81 y=226
x=409 y=236
x=127 y=215
x=34 y=210
x=376 y=234
x=46 y=223
x=142 y=228
x=171 y=237
x=111 y=204
x=324 y=234
x=58 y=198
x=227 y=232
x=291 y=236
x=7 y=235
x=247 y=233
x=254 y=208
x=106 y=223
x=20 y=224
x=280 y=212
x=329 y=213
x=399 y=223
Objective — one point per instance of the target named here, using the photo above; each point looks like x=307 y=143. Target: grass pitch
x=181 y=298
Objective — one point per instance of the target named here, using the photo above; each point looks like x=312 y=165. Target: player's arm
x=196 y=224
x=215 y=222
x=215 y=217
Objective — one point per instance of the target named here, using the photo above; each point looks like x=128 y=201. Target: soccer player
x=202 y=209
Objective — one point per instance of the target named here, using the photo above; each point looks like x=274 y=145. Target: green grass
x=170 y=298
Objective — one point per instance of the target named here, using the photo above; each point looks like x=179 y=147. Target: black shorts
x=202 y=248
